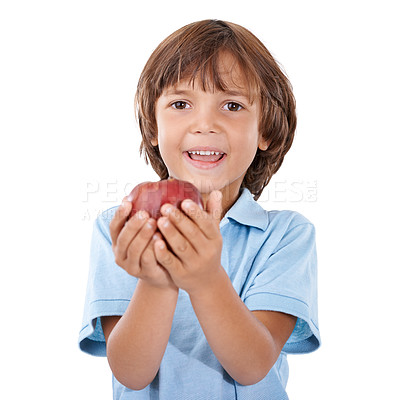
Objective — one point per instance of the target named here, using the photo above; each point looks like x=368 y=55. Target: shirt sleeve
x=109 y=288
x=287 y=282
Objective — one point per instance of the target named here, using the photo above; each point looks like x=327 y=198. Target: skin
x=188 y=117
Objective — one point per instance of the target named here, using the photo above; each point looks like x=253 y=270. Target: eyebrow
x=172 y=92
x=237 y=93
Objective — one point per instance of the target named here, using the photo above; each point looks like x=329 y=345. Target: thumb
x=214 y=204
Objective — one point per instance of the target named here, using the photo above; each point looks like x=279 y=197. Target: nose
x=205 y=120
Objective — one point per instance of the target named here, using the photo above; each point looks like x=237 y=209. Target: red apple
x=150 y=196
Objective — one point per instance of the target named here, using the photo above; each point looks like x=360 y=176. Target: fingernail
x=166 y=209
x=150 y=223
x=187 y=203
x=125 y=207
x=218 y=195
x=163 y=221
x=142 y=214
x=156 y=236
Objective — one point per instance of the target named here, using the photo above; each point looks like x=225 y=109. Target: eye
x=232 y=106
x=180 y=105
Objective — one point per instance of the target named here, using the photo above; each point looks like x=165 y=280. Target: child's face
x=191 y=120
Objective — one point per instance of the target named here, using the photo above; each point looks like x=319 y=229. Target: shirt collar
x=247 y=211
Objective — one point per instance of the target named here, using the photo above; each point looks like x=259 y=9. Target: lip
x=203 y=164
x=205 y=148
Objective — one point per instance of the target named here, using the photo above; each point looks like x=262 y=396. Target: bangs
x=214 y=74
x=200 y=58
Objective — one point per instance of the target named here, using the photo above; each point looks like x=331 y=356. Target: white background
x=69 y=149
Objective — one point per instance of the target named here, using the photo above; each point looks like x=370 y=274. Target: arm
x=136 y=341
x=247 y=344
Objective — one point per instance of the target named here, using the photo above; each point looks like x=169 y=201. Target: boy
x=205 y=304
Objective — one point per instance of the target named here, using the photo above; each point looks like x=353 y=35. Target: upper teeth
x=205 y=152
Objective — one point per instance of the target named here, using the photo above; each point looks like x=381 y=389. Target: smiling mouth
x=205 y=155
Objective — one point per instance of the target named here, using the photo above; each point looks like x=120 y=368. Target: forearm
x=137 y=343
x=242 y=344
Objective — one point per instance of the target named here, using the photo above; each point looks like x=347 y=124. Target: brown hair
x=192 y=52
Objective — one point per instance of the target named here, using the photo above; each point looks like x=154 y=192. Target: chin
x=205 y=185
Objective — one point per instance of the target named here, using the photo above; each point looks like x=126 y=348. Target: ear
x=154 y=142
x=263 y=144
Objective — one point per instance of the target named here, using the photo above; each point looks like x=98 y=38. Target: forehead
x=229 y=68
x=224 y=74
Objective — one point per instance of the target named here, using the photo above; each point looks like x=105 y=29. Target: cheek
x=166 y=127
x=166 y=147
x=166 y=141
x=163 y=147
x=247 y=135
x=246 y=143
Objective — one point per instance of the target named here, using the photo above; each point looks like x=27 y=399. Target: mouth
x=204 y=158
x=206 y=155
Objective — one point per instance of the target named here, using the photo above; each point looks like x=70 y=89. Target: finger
x=119 y=219
x=157 y=235
x=181 y=220
x=214 y=205
x=171 y=228
x=164 y=257
x=128 y=233
x=207 y=221
x=148 y=258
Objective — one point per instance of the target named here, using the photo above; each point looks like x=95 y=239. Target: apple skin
x=150 y=196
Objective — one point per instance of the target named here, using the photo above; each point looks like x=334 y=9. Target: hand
x=133 y=246
x=194 y=240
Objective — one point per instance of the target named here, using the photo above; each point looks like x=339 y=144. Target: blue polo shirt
x=270 y=257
